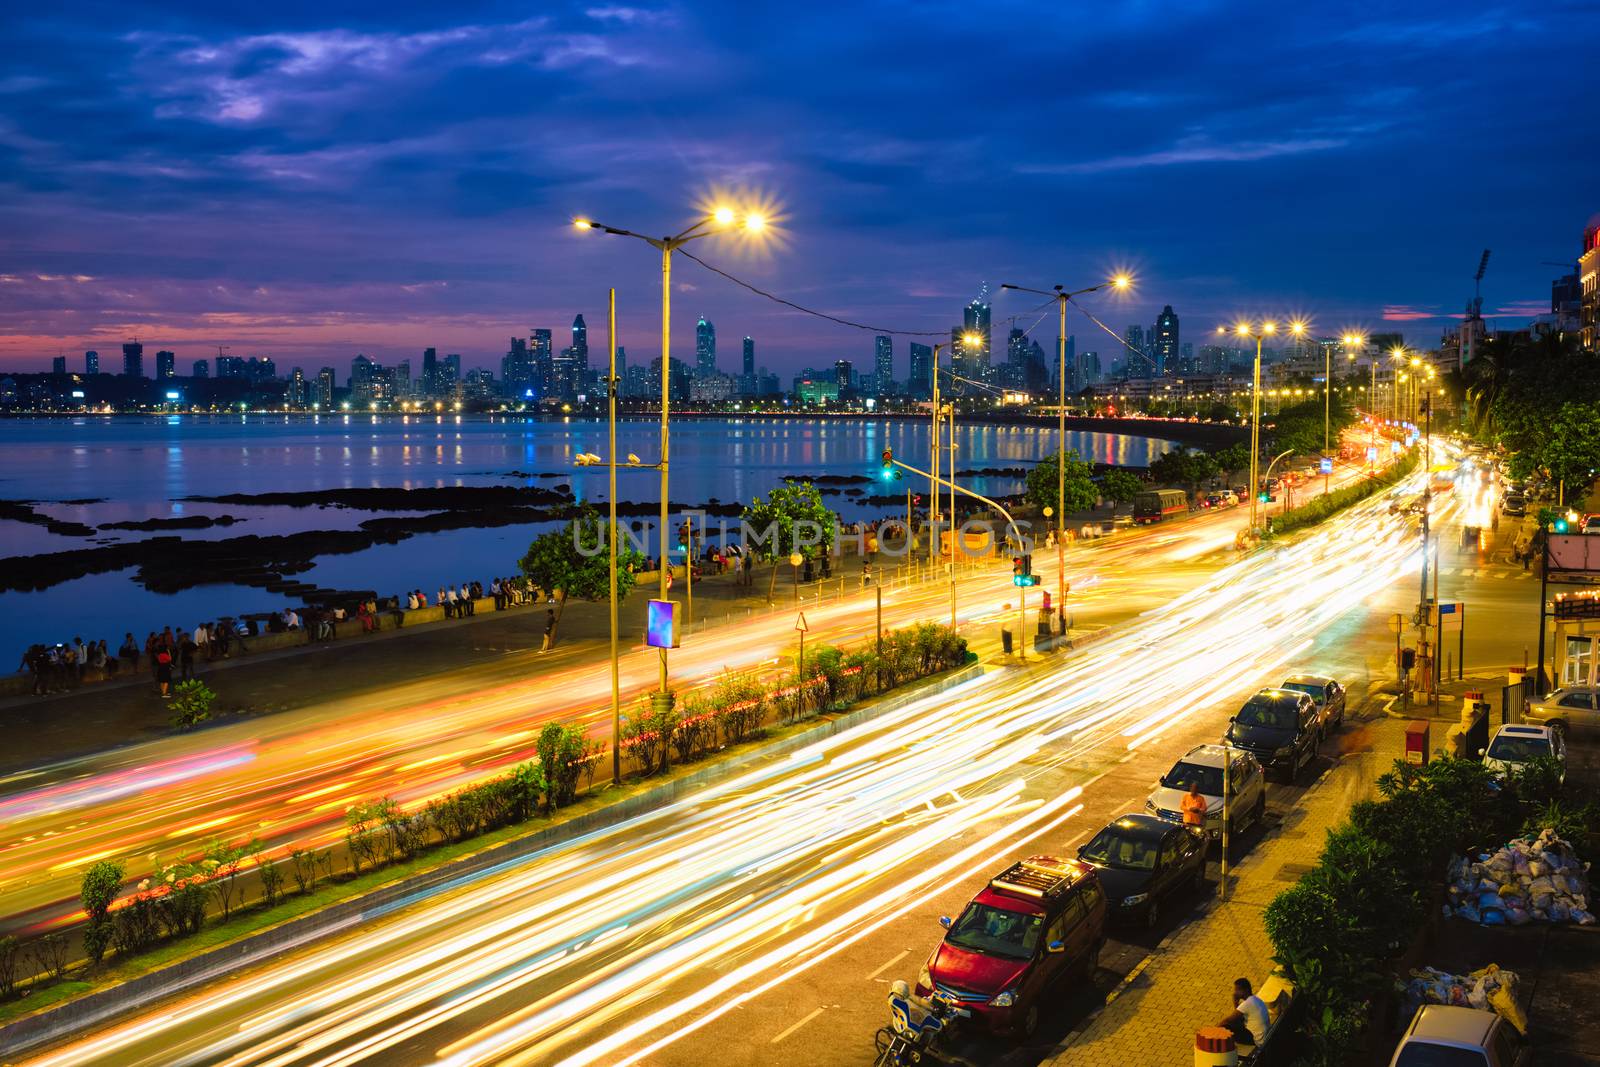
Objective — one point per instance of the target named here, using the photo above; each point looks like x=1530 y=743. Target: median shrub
x=1329 y=504
x=191 y=704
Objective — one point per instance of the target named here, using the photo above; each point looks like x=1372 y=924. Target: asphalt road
x=761 y=920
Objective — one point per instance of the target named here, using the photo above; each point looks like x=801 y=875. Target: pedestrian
x=1194 y=807
x=549 y=629
x=151 y=644
x=447 y=600
x=202 y=639
x=164 y=673
x=130 y=651
x=467 y=598
x=1249 y=1019
x=186 y=650
x=494 y=592
x=866 y=573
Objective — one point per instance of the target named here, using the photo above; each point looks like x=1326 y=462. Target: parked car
x=1033 y=924
x=1568 y=708
x=1280 y=727
x=1247 y=802
x=1514 y=504
x=1328 y=695
x=1443 y=1035
x=1143 y=860
x=1515 y=745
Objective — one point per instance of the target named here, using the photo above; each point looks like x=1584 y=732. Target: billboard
x=661 y=625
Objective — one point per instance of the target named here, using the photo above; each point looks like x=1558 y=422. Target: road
x=758 y=920
x=287 y=779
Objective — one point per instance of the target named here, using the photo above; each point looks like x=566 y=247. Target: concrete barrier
x=92 y=1009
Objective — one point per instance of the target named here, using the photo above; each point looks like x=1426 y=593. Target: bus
x=1158 y=504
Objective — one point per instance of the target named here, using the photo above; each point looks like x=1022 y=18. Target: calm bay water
x=142 y=468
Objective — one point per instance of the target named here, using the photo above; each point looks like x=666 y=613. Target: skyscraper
x=91 y=362
x=975 y=319
x=58 y=364
x=297 y=393
x=705 y=349
x=919 y=386
x=1164 y=343
x=516 y=370
x=844 y=374
x=1131 y=358
x=452 y=371
x=202 y=368
x=325 y=388
x=580 y=348
x=1016 y=368
x=166 y=365
x=542 y=356
x=883 y=364
x=133 y=359
x=430 y=372
x=747 y=376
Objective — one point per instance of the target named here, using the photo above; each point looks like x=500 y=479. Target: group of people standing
x=169 y=655
x=459 y=602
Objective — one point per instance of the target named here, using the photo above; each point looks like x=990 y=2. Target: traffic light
x=1022 y=571
x=1408 y=659
x=1559 y=526
x=890 y=474
x=683 y=537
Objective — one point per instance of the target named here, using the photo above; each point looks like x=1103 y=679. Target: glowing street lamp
x=1260 y=331
x=719 y=219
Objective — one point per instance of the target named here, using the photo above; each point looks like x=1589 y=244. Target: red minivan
x=1034 y=923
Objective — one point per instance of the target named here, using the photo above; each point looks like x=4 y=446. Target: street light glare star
x=1269 y=327
x=1121 y=281
x=723 y=215
x=755 y=223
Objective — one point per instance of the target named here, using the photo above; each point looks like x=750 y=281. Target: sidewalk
x=1151 y=1017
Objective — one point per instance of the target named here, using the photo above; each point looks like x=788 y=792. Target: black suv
x=1280 y=728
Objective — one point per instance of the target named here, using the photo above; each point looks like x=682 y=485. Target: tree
x=1184 y=467
x=1232 y=459
x=1570 y=451
x=101 y=882
x=791 y=519
x=1120 y=486
x=1079 y=489
x=573 y=562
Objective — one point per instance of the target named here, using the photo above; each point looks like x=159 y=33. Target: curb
x=91 y=1009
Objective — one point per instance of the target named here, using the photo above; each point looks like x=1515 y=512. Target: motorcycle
x=916 y=1029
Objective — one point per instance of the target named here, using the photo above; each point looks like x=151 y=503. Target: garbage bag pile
x=1527 y=881
x=1487 y=989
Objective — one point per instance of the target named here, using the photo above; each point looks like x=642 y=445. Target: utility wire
x=1115 y=336
x=812 y=311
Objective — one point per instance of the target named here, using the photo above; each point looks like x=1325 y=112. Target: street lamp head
x=1297 y=328
x=1243 y=329
x=723 y=216
x=1121 y=281
x=1269 y=328
x=971 y=338
x=755 y=223
x=583 y=224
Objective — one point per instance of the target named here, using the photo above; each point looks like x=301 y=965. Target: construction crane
x=1477 y=284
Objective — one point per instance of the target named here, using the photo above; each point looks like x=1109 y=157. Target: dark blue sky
x=292 y=180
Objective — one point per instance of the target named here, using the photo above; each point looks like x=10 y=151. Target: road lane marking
x=796 y=1026
x=904 y=953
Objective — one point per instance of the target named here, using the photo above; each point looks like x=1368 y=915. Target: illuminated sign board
x=661 y=625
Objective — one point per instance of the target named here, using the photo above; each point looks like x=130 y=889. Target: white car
x=1513 y=746
x=1203 y=763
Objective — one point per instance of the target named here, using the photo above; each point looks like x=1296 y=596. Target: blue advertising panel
x=661 y=625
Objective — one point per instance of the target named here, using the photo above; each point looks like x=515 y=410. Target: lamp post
x=1119 y=282
x=1260 y=331
x=720 y=220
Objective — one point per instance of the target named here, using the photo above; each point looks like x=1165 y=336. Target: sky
x=311 y=181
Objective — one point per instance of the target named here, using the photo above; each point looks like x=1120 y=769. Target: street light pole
x=611 y=534
x=717 y=222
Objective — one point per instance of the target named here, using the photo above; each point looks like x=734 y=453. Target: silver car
x=1571 y=707
x=1327 y=694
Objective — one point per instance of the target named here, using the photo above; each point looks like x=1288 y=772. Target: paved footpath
x=1151 y=1017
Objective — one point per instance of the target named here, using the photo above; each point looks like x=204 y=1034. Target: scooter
x=915 y=1030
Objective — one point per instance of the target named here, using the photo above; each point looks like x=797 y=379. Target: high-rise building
x=261 y=369
x=919 y=386
x=622 y=371
x=516 y=371
x=91 y=362
x=1589 y=284
x=542 y=356
x=883 y=364
x=298 y=393
x=705 y=348
x=1134 y=357
x=749 y=368
x=325 y=386
x=580 y=349
x=430 y=372
x=402 y=380
x=202 y=368
x=166 y=365
x=230 y=366
x=1015 y=372
x=361 y=373
x=58 y=364
x=975 y=320
x=844 y=373
x=1164 y=342
x=1186 y=358
x=1566 y=304
x=133 y=359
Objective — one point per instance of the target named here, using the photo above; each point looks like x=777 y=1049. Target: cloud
x=1196 y=149
x=1409 y=312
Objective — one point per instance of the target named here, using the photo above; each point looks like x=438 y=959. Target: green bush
x=191 y=704
x=1322 y=507
x=100 y=885
x=565 y=754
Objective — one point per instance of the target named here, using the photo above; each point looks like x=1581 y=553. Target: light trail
x=610 y=947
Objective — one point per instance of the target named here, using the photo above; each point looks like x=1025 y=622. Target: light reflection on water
x=142 y=467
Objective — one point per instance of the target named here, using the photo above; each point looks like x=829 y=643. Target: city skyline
x=306 y=189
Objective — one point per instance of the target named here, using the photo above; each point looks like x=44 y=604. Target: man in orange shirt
x=1194 y=807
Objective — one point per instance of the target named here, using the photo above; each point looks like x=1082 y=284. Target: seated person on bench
x=1249 y=1019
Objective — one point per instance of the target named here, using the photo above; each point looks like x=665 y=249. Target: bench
x=1278 y=994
